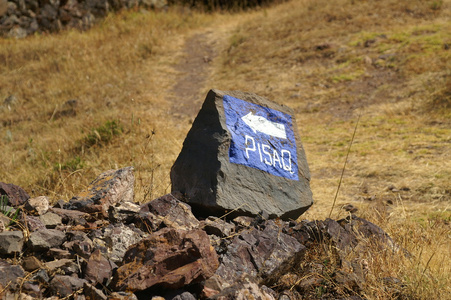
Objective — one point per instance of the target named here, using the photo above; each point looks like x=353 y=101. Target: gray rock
x=34 y=223
x=11 y=242
x=10 y=275
x=45 y=239
x=118 y=239
x=228 y=165
x=38 y=205
x=51 y=220
x=64 y=285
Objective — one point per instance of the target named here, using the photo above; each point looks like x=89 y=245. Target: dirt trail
x=186 y=95
x=199 y=54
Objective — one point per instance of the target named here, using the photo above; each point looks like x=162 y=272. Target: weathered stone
x=263 y=255
x=119 y=238
x=66 y=266
x=172 y=212
x=11 y=242
x=98 y=268
x=217 y=226
x=109 y=189
x=123 y=213
x=169 y=258
x=57 y=253
x=31 y=291
x=243 y=291
x=16 y=195
x=34 y=223
x=38 y=205
x=243 y=221
x=51 y=220
x=64 y=285
x=45 y=239
x=70 y=217
x=213 y=185
x=122 y=296
x=10 y=275
x=31 y=263
x=92 y=293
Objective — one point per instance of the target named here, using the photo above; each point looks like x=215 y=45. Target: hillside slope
x=75 y=104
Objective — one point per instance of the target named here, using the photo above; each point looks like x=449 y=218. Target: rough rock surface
x=161 y=251
x=16 y=195
x=19 y=18
x=213 y=185
x=110 y=188
x=169 y=258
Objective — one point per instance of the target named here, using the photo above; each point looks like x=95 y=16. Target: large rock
x=261 y=255
x=169 y=258
x=110 y=188
x=243 y=154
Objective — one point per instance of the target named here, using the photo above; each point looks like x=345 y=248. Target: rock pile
x=19 y=18
x=102 y=245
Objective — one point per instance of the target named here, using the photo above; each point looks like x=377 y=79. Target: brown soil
x=194 y=68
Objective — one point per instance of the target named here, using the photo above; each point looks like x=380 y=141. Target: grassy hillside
x=76 y=104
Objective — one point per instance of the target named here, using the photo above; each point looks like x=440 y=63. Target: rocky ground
x=102 y=245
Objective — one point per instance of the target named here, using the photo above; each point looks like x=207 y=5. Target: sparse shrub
x=103 y=134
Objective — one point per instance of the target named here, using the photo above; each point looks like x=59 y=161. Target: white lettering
x=267 y=153
x=276 y=158
x=286 y=167
x=248 y=138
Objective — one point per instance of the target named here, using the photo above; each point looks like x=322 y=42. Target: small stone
x=38 y=205
x=64 y=285
x=16 y=195
x=108 y=189
x=172 y=212
x=34 y=223
x=11 y=242
x=51 y=220
x=68 y=266
x=217 y=226
x=98 y=268
x=31 y=263
x=118 y=239
x=123 y=213
x=93 y=293
x=122 y=296
x=10 y=275
x=45 y=239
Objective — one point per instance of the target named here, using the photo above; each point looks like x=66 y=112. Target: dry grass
x=330 y=61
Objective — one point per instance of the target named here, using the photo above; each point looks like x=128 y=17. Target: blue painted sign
x=262 y=138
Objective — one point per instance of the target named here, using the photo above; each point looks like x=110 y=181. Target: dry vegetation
x=387 y=61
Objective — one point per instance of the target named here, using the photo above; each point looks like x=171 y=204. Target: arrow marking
x=258 y=123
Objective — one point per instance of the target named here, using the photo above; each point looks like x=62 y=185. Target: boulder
x=169 y=258
x=243 y=154
x=109 y=189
